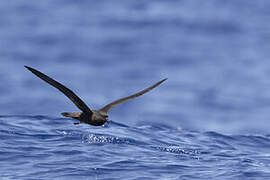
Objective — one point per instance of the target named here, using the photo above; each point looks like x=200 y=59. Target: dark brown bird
x=93 y=117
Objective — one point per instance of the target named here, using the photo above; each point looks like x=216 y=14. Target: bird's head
x=104 y=115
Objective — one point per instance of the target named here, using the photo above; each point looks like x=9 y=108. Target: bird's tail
x=72 y=115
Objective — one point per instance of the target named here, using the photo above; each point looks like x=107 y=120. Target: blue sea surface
x=209 y=120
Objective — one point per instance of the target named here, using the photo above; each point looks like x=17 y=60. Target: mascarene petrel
x=88 y=116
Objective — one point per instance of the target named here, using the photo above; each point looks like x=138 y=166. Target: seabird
x=88 y=116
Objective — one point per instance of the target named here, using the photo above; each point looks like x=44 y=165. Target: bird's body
x=92 y=117
x=97 y=118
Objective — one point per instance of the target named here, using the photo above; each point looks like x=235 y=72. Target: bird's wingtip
x=164 y=79
x=30 y=69
x=27 y=67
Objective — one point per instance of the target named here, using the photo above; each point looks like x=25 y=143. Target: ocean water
x=209 y=120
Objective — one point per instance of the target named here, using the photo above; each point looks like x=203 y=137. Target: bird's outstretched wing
x=71 y=95
x=114 y=103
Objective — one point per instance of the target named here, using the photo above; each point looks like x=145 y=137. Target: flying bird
x=88 y=116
